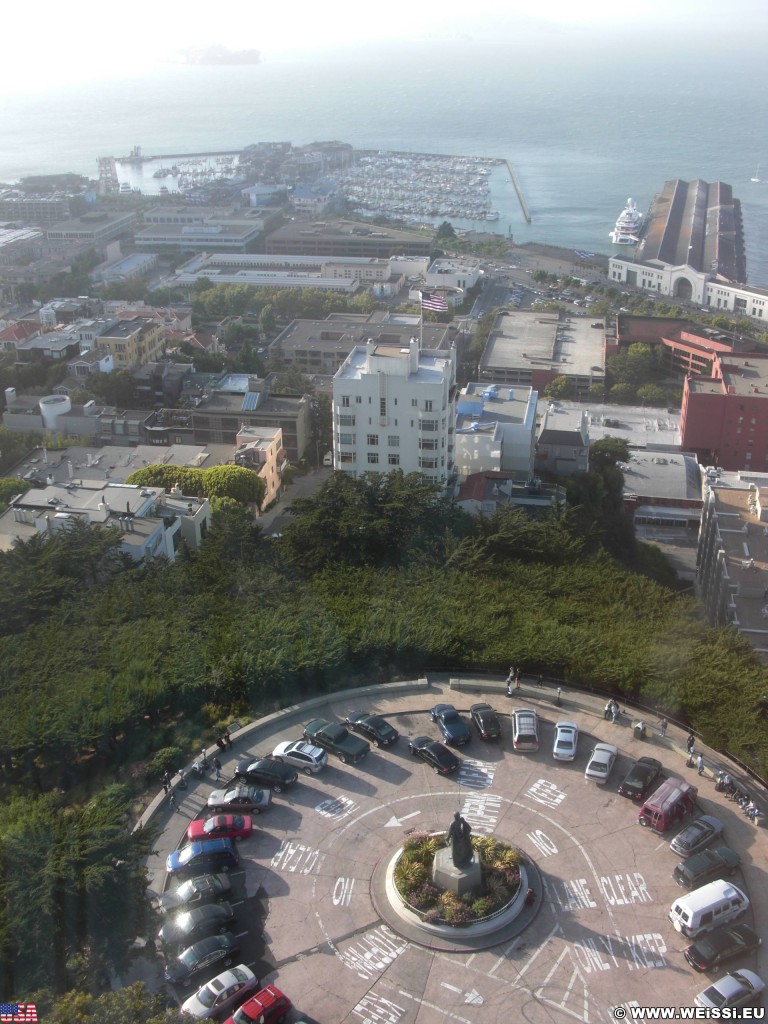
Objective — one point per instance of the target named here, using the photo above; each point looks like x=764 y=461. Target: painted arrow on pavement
x=394 y=822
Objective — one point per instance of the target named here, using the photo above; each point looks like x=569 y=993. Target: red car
x=222 y=826
x=269 y=1006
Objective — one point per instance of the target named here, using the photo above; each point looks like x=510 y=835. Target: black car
x=189 y=925
x=486 y=721
x=436 y=754
x=374 y=727
x=196 y=892
x=215 y=951
x=336 y=739
x=641 y=778
x=720 y=945
x=267 y=771
x=695 y=871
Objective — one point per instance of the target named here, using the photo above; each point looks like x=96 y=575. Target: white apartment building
x=393 y=408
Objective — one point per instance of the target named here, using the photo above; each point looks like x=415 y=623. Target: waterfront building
x=343 y=275
x=692 y=248
x=94 y=229
x=394 y=408
x=188 y=231
x=346 y=238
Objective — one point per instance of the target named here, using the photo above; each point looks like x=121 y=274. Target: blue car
x=455 y=730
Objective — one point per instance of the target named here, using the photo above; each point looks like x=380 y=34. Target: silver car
x=305 y=757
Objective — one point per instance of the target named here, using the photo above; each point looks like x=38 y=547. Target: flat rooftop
x=487 y=404
x=568 y=345
x=741 y=376
x=431 y=369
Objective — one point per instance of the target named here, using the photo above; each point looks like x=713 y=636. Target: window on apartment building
x=414 y=403
x=429 y=425
x=359 y=399
x=346 y=438
x=393 y=458
x=425 y=463
x=393 y=440
x=382 y=407
x=428 y=405
x=346 y=421
x=372 y=440
x=373 y=458
x=430 y=444
x=345 y=401
x=347 y=457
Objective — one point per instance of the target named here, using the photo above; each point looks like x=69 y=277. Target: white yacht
x=627 y=228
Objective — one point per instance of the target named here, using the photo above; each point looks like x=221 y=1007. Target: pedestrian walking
x=217 y=766
x=614 y=713
x=756 y=815
x=509 y=685
x=663 y=727
x=182 y=779
x=221 y=744
x=172 y=802
x=166 y=787
x=690 y=742
x=700 y=764
x=167 y=779
x=608 y=710
x=227 y=739
x=540 y=680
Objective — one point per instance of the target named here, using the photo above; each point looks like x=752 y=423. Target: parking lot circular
x=599 y=938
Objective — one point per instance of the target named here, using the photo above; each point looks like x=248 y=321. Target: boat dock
x=519 y=190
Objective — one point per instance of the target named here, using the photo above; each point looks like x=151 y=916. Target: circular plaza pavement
x=599 y=939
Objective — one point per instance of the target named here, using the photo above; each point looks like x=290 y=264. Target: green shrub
x=167 y=759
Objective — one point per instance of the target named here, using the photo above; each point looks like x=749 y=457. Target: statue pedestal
x=463 y=880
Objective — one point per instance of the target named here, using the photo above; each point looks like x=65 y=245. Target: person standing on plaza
x=700 y=764
x=217 y=766
x=182 y=779
x=172 y=802
x=663 y=727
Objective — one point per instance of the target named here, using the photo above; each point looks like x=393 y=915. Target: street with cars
x=298 y=908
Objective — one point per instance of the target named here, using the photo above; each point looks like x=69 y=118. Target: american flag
x=16 y=1013
x=433 y=301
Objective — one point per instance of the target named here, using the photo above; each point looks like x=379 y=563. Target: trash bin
x=639 y=730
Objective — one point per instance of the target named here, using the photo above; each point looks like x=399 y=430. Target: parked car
x=305 y=757
x=435 y=753
x=222 y=993
x=455 y=730
x=486 y=721
x=525 y=729
x=215 y=951
x=566 y=741
x=269 y=1006
x=374 y=727
x=732 y=990
x=601 y=762
x=336 y=739
x=208 y=855
x=195 y=892
x=229 y=826
x=641 y=778
x=697 y=835
x=188 y=926
x=240 y=798
x=266 y=771
x=712 y=949
x=703 y=867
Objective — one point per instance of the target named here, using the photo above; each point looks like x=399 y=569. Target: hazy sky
x=66 y=41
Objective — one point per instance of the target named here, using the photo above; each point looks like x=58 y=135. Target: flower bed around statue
x=500 y=865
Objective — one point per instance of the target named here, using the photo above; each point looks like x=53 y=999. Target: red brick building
x=724 y=418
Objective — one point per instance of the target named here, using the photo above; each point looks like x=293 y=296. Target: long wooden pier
x=519 y=190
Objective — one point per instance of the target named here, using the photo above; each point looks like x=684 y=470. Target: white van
x=708 y=907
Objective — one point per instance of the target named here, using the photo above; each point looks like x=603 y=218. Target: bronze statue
x=459 y=837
